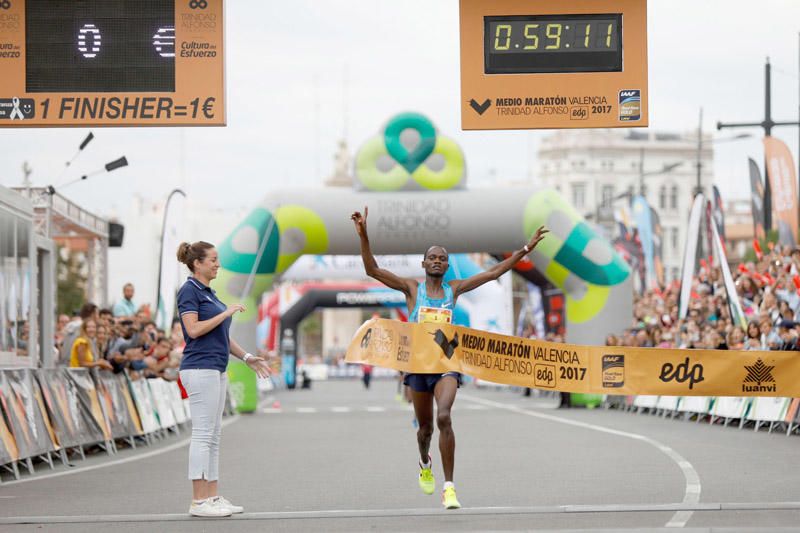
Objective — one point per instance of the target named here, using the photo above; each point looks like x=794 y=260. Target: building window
x=674 y=238
x=662 y=197
x=578 y=195
x=607 y=195
x=676 y=273
x=673 y=197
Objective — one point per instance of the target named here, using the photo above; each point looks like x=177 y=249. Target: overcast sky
x=288 y=103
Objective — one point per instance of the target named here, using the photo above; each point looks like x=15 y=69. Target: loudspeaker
x=115 y=234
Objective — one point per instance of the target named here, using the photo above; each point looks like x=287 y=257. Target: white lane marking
x=306 y=409
x=145 y=455
x=693 y=487
x=340 y=409
x=269 y=410
x=375 y=409
x=476 y=407
x=427 y=512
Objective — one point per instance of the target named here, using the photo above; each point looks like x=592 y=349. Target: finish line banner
x=438 y=348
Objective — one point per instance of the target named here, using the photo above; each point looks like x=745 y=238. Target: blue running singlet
x=423 y=300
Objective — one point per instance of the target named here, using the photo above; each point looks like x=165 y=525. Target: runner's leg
x=423 y=409
x=445 y=394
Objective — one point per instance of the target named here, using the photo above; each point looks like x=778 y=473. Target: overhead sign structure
x=112 y=63
x=531 y=64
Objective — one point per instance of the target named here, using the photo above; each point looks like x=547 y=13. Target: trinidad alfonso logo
x=759 y=378
x=448 y=346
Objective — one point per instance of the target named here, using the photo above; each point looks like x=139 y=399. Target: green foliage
x=772 y=236
x=310 y=333
x=71 y=282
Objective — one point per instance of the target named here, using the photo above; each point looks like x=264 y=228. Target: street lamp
x=667 y=168
x=108 y=167
x=698 y=188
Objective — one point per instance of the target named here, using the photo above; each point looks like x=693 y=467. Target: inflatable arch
x=414 y=182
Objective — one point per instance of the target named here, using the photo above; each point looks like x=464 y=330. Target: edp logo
x=682 y=373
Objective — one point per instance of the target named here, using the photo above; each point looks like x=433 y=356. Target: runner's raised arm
x=390 y=279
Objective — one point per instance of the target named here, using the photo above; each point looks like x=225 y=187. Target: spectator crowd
x=118 y=339
x=768 y=290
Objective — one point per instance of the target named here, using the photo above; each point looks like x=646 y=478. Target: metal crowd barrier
x=47 y=413
x=759 y=412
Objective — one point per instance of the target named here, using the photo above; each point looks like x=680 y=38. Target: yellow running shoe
x=426 y=481
x=449 y=499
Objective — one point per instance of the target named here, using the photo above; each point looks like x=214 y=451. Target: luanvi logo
x=198 y=4
x=365 y=339
x=480 y=108
x=758 y=375
x=5 y=4
x=448 y=346
x=681 y=373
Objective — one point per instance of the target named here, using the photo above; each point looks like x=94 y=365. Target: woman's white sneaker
x=209 y=509
x=235 y=509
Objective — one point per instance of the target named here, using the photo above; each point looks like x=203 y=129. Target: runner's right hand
x=360 y=221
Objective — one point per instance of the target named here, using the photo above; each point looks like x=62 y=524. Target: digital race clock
x=544 y=64
x=100 y=46
x=552 y=43
x=111 y=62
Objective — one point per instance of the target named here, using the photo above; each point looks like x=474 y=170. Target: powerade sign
x=370 y=298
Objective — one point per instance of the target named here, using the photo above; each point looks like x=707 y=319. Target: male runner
x=434 y=297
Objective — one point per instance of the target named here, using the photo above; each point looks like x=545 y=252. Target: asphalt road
x=340 y=458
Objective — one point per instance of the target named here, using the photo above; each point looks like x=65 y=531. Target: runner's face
x=436 y=262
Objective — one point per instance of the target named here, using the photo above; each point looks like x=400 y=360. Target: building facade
x=599 y=170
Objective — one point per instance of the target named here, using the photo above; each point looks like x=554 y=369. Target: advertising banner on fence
x=439 y=348
x=89 y=404
x=28 y=399
x=145 y=404
x=62 y=406
x=14 y=411
x=117 y=405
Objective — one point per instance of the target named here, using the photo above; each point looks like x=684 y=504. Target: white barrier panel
x=769 y=409
x=176 y=403
x=166 y=417
x=695 y=404
x=669 y=403
x=730 y=407
x=317 y=372
x=145 y=405
x=186 y=409
x=645 y=402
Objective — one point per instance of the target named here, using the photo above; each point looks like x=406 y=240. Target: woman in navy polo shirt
x=206 y=322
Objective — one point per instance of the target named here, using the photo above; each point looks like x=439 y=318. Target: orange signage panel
x=529 y=64
x=112 y=63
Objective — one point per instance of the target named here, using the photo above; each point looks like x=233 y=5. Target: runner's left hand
x=259 y=366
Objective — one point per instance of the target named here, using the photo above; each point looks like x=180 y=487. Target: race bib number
x=435 y=315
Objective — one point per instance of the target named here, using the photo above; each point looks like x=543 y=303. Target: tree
x=71 y=281
x=750 y=254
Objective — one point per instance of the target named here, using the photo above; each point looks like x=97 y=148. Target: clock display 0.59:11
x=522 y=36
x=553 y=43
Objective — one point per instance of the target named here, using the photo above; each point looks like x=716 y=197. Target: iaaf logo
x=682 y=373
x=759 y=373
x=625 y=94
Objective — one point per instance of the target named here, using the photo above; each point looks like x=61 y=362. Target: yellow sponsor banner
x=439 y=347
